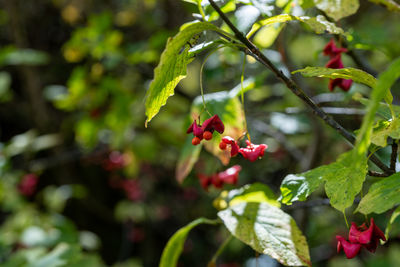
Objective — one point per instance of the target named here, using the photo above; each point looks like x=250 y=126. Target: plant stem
x=201 y=78
x=242 y=97
x=260 y=57
x=393 y=156
x=220 y=250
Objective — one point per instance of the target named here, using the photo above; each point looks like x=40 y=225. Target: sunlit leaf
x=174 y=247
x=268 y=230
x=356 y=75
x=338 y=9
x=256 y=193
x=318 y=24
x=172 y=67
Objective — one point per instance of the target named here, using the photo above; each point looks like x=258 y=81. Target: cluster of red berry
x=229 y=176
x=206 y=130
x=335 y=62
x=360 y=236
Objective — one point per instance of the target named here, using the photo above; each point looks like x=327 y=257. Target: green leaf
x=297 y=187
x=172 y=67
x=228 y=107
x=173 y=249
x=318 y=24
x=356 y=75
x=268 y=230
x=382 y=196
x=383 y=109
x=379 y=91
x=338 y=9
x=390 y=4
x=256 y=193
x=383 y=129
x=187 y=159
x=343 y=181
x=394 y=216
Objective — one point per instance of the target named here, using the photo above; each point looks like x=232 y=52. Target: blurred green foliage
x=72 y=109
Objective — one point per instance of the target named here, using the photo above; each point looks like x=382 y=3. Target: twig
x=393 y=156
x=377 y=174
x=255 y=52
x=280 y=137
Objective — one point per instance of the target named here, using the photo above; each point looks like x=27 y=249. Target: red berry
x=195 y=141
x=207 y=135
x=222 y=145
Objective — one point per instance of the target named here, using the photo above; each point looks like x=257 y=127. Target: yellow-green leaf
x=256 y=193
x=172 y=67
x=356 y=75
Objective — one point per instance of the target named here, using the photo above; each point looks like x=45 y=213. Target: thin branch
x=393 y=156
x=377 y=174
x=255 y=52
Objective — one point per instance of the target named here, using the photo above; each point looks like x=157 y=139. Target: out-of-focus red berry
x=195 y=141
x=222 y=146
x=207 y=135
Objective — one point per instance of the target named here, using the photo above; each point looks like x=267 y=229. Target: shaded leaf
x=173 y=249
x=394 y=216
x=297 y=187
x=383 y=109
x=256 y=193
x=338 y=9
x=356 y=75
x=318 y=24
x=268 y=230
x=172 y=67
x=188 y=157
x=343 y=181
x=390 y=4
x=382 y=196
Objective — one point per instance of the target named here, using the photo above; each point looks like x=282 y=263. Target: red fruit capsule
x=195 y=141
x=222 y=145
x=207 y=135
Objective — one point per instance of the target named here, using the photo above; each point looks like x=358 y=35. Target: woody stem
x=260 y=57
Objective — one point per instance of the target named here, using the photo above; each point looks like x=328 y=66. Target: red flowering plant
x=229 y=176
x=252 y=152
x=360 y=236
x=205 y=130
x=335 y=62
